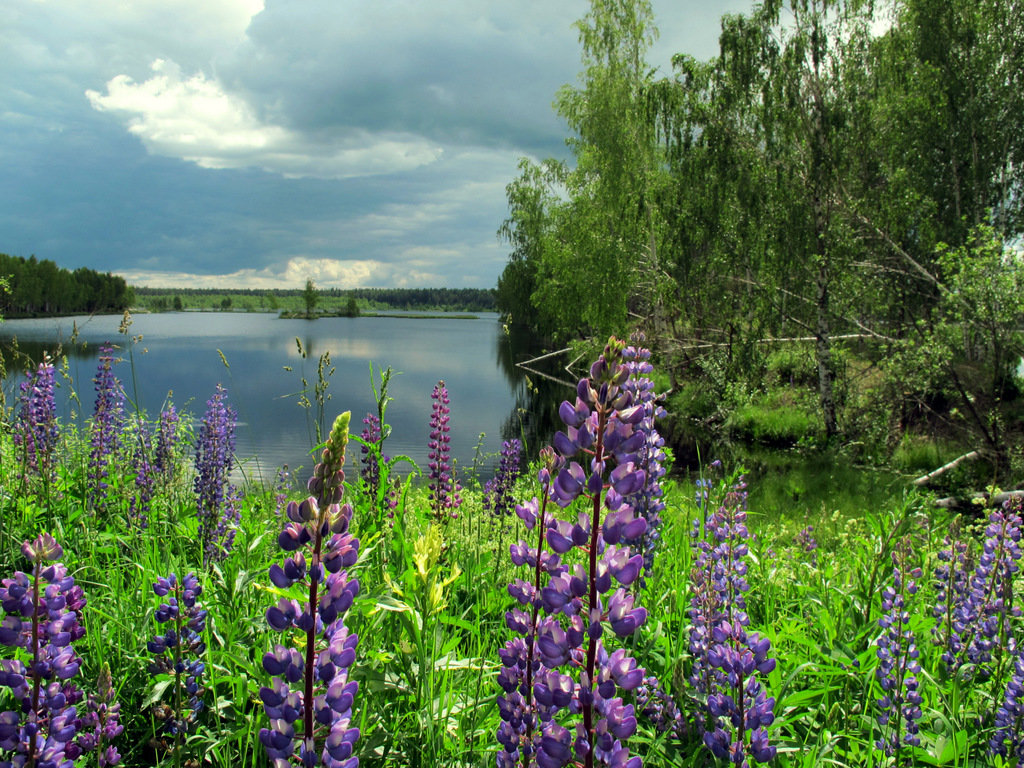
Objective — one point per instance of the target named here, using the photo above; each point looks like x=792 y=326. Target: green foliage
x=778 y=419
x=793 y=189
x=37 y=288
x=310 y=296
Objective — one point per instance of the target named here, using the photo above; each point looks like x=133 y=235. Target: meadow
x=580 y=608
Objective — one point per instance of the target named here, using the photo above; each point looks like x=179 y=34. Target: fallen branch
x=990 y=500
x=925 y=479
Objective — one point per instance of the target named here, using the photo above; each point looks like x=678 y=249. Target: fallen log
x=925 y=479
x=986 y=499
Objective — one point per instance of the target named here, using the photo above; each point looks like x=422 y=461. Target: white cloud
x=326 y=273
x=197 y=120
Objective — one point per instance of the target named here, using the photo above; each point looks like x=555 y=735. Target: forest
x=39 y=287
x=832 y=202
x=259 y=299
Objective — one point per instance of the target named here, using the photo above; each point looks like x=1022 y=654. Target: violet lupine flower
x=498 y=498
x=658 y=706
x=600 y=428
x=100 y=723
x=728 y=659
x=105 y=429
x=217 y=501
x=36 y=431
x=372 y=459
x=165 y=458
x=978 y=602
x=178 y=652
x=145 y=480
x=281 y=486
x=647 y=501
x=42 y=620
x=1008 y=738
x=444 y=488
x=898 y=667
x=519 y=732
x=952 y=586
x=311 y=723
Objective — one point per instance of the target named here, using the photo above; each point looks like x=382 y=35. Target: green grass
x=431 y=614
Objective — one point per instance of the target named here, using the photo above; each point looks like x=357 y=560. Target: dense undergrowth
x=873 y=640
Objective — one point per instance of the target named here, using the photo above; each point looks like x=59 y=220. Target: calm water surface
x=177 y=357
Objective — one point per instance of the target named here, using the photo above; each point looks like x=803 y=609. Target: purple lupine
x=281 y=487
x=600 y=427
x=654 y=703
x=100 y=723
x=165 y=460
x=217 y=500
x=521 y=663
x=898 y=666
x=647 y=501
x=318 y=534
x=105 y=429
x=952 y=586
x=145 y=480
x=729 y=660
x=35 y=431
x=42 y=619
x=372 y=459
x=178 y=652
x=498 y=499
x=977 y=624
x=1008 y=738
x=444 y=488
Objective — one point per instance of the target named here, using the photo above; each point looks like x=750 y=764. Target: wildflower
x=100 y=724
x=217 y=500
x=42 y=620
x=165 y=458
x=318 y=534
x=498 y=490
x=977 y=602
x=105 y=429
x=444 y=489
x=373 y=435
x=728 y=659
x=36 y=430
x=594 y=458
x=1008 y=738
x=647 y=501
x=898 y=667
x=178 y=651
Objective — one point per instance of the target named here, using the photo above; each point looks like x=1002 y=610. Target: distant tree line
x=40 y=287
x=448 y=299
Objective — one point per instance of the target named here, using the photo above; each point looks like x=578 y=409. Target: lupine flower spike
x=498 y=498
x=309 y=703
x=729 y=661
x=101 y=722
x=444 y=488
x=217 y=502
x=105 y=429
x=650 y=457
x=36 y=429
x=898 y=667
x=600 y=430
x=178 y=652
x=42 y=621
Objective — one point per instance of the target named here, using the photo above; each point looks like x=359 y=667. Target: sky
x=258 y=143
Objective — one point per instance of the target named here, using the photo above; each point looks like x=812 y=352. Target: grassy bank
x=433 y=597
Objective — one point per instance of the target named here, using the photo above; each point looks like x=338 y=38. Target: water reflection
x=180 y=354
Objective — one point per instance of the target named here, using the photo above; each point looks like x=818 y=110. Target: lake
x=178 y=355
